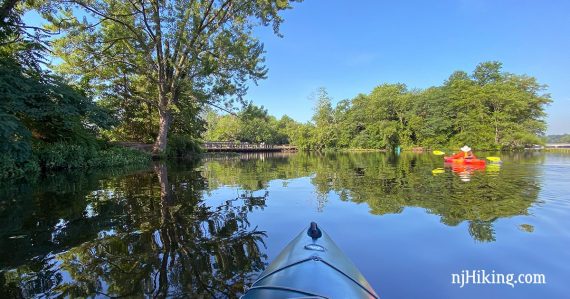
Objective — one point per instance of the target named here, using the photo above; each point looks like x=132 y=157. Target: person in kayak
x=465 y=153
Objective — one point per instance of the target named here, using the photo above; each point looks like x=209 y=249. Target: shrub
x=182 y=146
x=10 y=168
x=63 y=156
x=118 y=156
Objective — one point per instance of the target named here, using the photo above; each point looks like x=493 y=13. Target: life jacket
x=463 y=155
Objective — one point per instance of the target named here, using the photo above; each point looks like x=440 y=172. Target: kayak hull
x=464 y=161
x=310 y=267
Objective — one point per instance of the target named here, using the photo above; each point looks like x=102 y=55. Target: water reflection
x=465 y=171
x=154 y=232
x=390 y=183
x=149 y=233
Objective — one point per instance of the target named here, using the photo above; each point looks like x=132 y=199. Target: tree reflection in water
x=153 y=233
x=388 y=184
x=160 y=239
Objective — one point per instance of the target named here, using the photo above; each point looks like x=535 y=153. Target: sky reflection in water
x=208 y=228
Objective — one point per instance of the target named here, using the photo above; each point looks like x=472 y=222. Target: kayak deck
x=313 y=267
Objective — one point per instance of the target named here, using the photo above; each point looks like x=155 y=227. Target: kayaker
x=465 y=153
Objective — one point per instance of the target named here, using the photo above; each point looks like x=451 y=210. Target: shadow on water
x=144 y=233
x=152 y=232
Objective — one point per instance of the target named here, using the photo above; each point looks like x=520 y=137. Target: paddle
x=438 y=171
x=494 y=159
x=438 y=153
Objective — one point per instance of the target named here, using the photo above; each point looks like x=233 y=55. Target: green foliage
x=137 y=118
x=227 y=129
x=252 y=124
x=15 y=138
x=564 y=138
x=302 y=136
x=38 y=107
x=324 y=136
x=64 y=156
x=12 y=168
x=59 y=156
x=182 y=146
x=162 y=60
x=117 y=156
x=490 y=109
x=49 y=108
x=49 y=157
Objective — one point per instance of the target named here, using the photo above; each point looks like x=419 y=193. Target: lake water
x=207 y=229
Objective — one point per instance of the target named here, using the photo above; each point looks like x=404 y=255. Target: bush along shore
x=58 y=156
x=47 y=158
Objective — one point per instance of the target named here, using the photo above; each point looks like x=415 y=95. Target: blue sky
x=349 y=47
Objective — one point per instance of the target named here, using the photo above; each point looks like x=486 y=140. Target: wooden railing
x=223 y=146
x=228 y=146
x=248 y=156
x=557 y=145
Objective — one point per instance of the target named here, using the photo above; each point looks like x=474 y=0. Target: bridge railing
x=557 y=145
x=243 y=146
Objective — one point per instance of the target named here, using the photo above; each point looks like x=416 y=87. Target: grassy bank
x=63 y=156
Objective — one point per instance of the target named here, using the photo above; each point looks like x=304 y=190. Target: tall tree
x=325 y=135
x=189 y=50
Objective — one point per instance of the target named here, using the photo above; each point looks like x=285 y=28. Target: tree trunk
x=165 y=119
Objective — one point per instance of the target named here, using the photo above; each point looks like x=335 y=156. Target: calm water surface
x=206 y=229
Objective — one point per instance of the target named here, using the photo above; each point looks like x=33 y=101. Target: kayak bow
x=311 y=266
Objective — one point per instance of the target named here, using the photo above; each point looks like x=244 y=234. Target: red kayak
x=464 y=161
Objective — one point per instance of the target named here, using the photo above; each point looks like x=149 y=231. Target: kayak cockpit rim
x=316 y=259
x=305 y=293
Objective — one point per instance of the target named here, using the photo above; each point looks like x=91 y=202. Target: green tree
x=303 y=135
x=431 y=119
x=497 y=110
x=323 y=118
x=284 y=128
x=227 y=129
x=381 y=116
x=565 y=138
x=489 y=109
x=189 y=51
x=252 y=124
